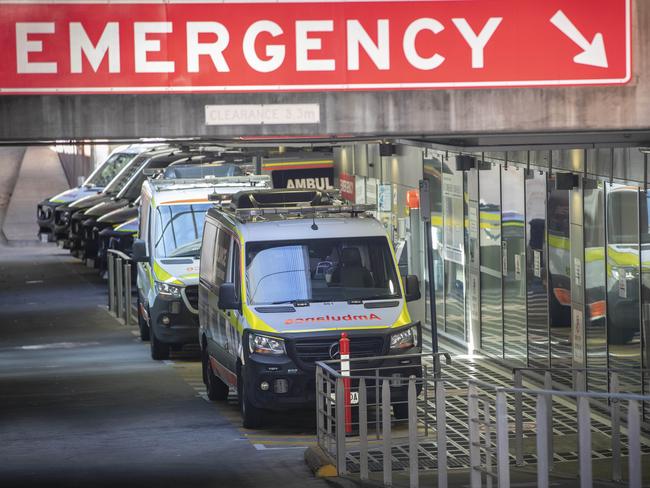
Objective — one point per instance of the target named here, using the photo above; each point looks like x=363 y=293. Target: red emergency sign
x=285 y=45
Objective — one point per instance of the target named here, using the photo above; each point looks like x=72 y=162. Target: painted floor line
x=262 y=447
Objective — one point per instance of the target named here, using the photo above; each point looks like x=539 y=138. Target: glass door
x=513 y=242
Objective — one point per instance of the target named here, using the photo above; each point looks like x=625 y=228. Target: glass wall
x=559 y=276
x=490 y=257
x=623 y=282
x=432 y=169
x=513 y=263
x=595 y=282
x=454 y=251
x=536 y=270
x=644 y=214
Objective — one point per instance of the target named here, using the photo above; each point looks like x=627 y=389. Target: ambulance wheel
x=252 y=417
x=216 y=389
x=159 y=350
x=401 y=411
x=142 y=324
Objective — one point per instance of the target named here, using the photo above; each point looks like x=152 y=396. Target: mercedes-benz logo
x=334 y=350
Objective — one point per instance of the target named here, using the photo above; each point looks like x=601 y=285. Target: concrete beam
x=404 y=113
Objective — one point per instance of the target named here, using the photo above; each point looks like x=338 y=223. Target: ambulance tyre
x=142 y=324
x=159 y=350
x=401 y=411
x=252 y=417
x=216 y=389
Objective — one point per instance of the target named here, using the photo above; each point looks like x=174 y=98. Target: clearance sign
x=234 y=45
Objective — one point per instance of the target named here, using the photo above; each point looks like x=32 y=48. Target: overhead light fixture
x=465 y=162
x=566 y=181
x=386 y=149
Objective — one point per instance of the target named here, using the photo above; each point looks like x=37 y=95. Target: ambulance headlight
x=167 y=291
x=261 y=344
x=404 y=339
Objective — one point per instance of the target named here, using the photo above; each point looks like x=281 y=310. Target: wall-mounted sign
x=385 y=198
x=230 y=45
x=258 y=114
x=359 y=189
x=347 y=186
x=578 y=333
x=300 y=173
x=371 y=191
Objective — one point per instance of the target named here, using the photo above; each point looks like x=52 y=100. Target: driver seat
x=350 y=272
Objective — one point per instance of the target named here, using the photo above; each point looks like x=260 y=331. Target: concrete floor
x=82 y=404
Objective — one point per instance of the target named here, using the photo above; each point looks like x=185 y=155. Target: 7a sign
x=179 y=46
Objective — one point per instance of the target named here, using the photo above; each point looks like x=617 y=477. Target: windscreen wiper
x=374 y=297
x=295 y=303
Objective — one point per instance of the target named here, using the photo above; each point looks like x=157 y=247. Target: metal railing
x=488 y=411
x=400 y=423
x=119 y=285
x=418 y=402
x=579 y=379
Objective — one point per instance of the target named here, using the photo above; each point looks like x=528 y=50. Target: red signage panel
x=180 y=46
x=346 y=182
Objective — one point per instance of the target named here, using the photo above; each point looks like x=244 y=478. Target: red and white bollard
x=344 y=348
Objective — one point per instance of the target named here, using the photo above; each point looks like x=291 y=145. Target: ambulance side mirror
x=228 y=297
x=139 y=251
x=412 y=287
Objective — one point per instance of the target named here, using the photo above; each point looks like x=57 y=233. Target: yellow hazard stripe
x=297 y=163
x=559 y=242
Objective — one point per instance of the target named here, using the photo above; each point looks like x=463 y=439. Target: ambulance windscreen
x=178 y=230
x=109 y=169
x=320 y=270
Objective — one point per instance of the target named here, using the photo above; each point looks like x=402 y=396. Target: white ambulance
x=283 y=273
x=172 y=214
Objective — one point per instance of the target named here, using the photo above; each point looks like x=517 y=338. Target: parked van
x=283 y=273
x=50 y=212
x=172 y=213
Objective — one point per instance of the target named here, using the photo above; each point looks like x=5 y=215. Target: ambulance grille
x=192 y=294
x=309 y=351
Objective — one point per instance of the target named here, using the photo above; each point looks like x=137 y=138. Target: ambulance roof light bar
x=247 y=214
x=174 y=183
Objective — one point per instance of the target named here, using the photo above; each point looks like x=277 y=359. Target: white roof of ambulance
x=188 y=192
x=300 y=228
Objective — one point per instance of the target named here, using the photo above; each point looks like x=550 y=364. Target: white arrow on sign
x=593 y=53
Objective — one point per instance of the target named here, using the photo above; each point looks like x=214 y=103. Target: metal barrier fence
x=420 y=405
x=374 y=392
x=119 y=285
x=579 y=379
x=488 y=411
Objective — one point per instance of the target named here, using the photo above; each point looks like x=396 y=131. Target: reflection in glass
x=536 y=269
x=595 y=283
x=623 y=315
x=644 y=213
x=490 y=255
x=559 y=277
x=433 y=173
x=514 y=282
x=454 y=251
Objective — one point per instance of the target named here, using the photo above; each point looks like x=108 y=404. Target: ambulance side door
x=234 y=318
x=219 y=318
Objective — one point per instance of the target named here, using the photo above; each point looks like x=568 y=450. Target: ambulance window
x=320 y=270
x=235 y=274
x=144 y=216
x=221 y=256
x=207 y=252
x=106 y=172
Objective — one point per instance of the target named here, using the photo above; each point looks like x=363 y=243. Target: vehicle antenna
x=314 y=226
